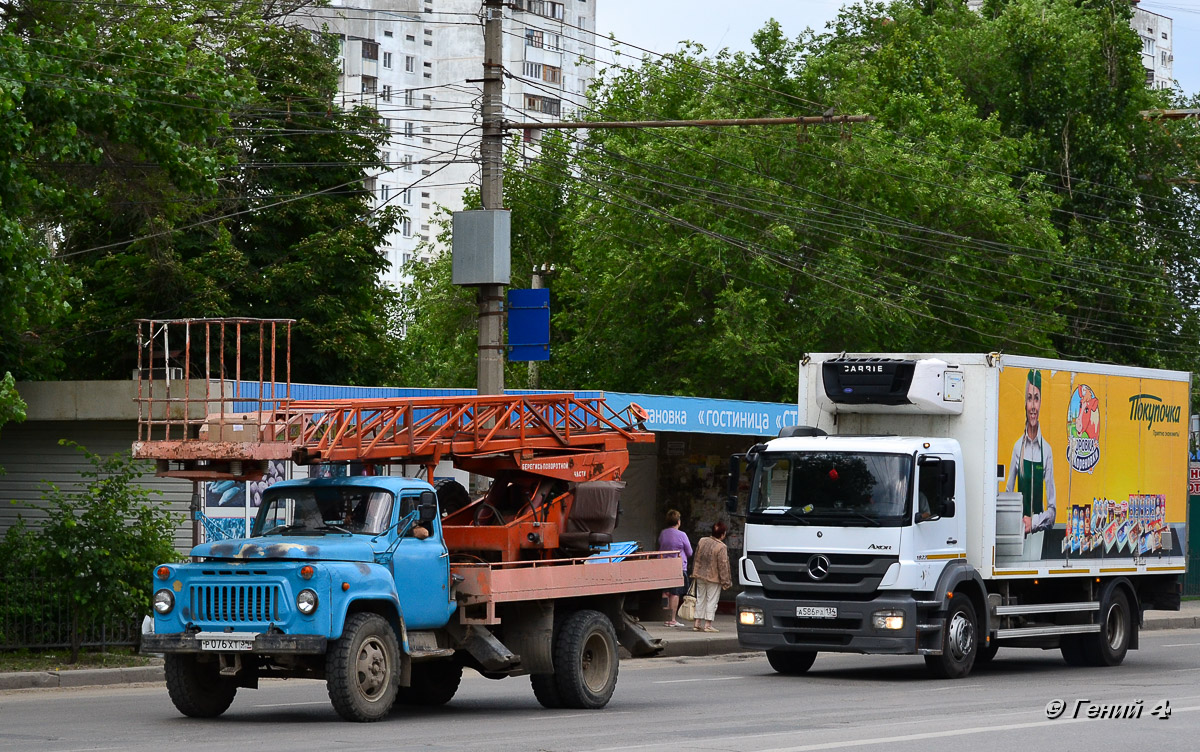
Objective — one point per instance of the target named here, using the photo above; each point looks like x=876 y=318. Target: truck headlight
x=889 y=619
x=164 y=601
x=751 y=617
x=306 y=602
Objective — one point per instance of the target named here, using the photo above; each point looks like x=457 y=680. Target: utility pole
x=490 y=297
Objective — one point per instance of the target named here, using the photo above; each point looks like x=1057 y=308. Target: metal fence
x=35 y=616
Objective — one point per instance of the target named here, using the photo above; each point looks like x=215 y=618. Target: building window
x=370 y=50
x=1164 y=35
x=1147 y=46
x=552 y=74
x=544 y=105
x=533 y=70
x=387 y=33
x=387 y=92
x=410 y=63
x=533 y=37
x=408 y=129
x=387 y=124
x=409 y=38
x=408 y=97
x=407 y=162
x=387 y=159
x=407 y=256
x=406 y=196
x=1150 y=77
x=385 y=192
x=406 y=227
x=1164 y=58
x=553 y=42
x=387 y=60
x=368 y=84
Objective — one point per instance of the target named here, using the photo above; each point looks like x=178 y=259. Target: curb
x=87 y=677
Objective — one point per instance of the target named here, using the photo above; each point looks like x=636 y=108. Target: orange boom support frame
x=538 y=448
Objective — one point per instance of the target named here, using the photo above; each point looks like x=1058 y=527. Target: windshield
x=317 y=510
x=844 y=488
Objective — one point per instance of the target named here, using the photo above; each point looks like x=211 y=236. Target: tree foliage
x=1007 y=197
x=183 y=162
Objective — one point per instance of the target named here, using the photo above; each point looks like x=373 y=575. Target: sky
x=659 y=25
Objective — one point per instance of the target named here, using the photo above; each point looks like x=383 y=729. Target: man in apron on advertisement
x=1031 y=471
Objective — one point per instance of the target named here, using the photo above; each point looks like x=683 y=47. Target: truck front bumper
x=850 y=631
x=269 y=644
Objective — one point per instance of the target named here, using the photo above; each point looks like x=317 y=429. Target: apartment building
x=420 y=64
x=1157 y=37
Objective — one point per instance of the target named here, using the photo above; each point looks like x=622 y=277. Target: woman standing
x=711 y=573
x=674 y=539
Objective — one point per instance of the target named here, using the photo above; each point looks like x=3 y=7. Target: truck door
x=421 y=569
x=938 y=516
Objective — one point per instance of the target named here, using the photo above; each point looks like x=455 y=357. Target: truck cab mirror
x=427 y=507
x=735 y=477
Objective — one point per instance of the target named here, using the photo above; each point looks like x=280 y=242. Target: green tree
x=182 y=162
x=1006 y=197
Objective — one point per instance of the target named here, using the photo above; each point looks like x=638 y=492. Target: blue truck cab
x=336 y=573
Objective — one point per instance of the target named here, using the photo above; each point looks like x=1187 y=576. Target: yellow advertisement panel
x=1100 y=462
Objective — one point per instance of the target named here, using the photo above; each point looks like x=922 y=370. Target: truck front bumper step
x=277 y=644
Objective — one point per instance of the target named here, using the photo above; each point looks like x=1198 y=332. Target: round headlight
x=306 y=602
x=164 y=601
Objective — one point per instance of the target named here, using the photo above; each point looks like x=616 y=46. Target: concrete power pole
x=490 y=367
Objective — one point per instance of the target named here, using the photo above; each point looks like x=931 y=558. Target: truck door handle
x=951 y=541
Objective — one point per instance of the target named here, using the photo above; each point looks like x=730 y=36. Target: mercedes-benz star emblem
x=818 y=567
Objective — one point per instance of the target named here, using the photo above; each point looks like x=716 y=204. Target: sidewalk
x=680 y=641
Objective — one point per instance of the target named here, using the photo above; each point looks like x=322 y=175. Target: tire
x=791 y=662
x=585 y=660
x=1073 y=650
x=451 y=495
x=987 y=653
x=196 y=686
x=545 y=689
x=1109 y=646
x=432 y=683
x=960 y=642
x=362 y=669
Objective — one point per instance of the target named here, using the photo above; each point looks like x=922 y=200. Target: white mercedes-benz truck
x=947 y=505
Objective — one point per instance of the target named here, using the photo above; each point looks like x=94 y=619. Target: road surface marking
x=685 y=681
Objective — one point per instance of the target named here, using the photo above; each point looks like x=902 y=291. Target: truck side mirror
x=427 y=507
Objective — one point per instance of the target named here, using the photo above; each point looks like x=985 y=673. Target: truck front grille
x=236 y=603
x=850 y=577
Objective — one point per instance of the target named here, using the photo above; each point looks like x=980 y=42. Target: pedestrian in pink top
x=674 y=539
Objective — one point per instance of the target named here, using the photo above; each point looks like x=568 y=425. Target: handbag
x=687 y=604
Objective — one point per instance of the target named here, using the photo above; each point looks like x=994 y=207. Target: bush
x=99 y=544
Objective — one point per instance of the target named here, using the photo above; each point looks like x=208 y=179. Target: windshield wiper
x=327 y=526
x=279 y=530
x=796 y=514
x=874 y=522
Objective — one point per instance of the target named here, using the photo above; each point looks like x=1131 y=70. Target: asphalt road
x=721 y=703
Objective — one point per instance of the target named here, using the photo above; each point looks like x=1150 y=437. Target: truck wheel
x=585 y=660
x=1109 y=646
x=196 y=686
x=987 y=653
x=361 y=668
x=791 y=662
x=432 y=683
x=545 y=689
x=1073 y=650
x=960 y=642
